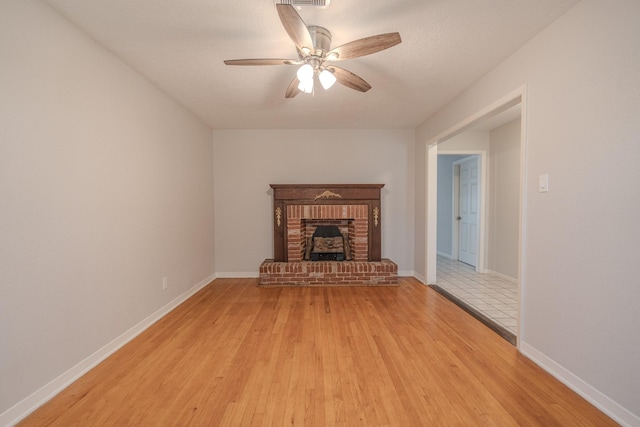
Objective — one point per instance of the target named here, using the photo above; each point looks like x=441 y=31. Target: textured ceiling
x=180 y=46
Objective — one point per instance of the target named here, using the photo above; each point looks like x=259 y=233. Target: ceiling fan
x=315 y=55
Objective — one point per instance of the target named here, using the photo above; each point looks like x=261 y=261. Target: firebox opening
x=328 y=243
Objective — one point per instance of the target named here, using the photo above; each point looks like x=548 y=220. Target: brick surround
x=302 y=220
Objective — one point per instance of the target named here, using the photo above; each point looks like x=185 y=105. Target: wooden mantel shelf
x=313 y=193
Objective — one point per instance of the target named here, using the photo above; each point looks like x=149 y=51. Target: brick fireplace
x=354 y=209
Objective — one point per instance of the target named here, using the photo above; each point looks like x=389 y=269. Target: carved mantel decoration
x=327 y=195
x=278 y=216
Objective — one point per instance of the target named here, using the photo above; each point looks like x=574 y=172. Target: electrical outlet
x=164 y=283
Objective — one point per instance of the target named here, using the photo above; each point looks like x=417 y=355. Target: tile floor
x=492 y=296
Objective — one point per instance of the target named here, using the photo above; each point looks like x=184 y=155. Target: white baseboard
x=420 y=278
x=613 y=409
x=406 y=273
x=503 y=276
x=238 y=275
x=443 y=255
x=29 y=404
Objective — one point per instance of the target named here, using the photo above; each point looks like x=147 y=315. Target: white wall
x=580 y=314
x=247 y=161
x=472 y=140
x=504 y=199
x=106 y=187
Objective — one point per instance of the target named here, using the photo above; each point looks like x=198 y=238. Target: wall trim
x=420 y=278
x=503 y=276
x=238 y=275
x=443 y=255
x=32 y=402
x=610 y=407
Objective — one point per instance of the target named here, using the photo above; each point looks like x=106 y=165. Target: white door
x=468 y=211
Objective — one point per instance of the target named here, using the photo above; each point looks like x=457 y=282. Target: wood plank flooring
x=240 y=355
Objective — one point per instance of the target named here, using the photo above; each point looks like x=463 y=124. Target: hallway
x=491 y=299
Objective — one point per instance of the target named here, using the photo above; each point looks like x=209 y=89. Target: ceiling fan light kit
x=327 y=79
x=313 y=44
x=305 y=72
x=305 y=77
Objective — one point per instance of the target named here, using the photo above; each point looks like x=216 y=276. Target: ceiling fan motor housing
x=321 y=38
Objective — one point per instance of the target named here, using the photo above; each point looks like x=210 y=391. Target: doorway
x=461 y=189
x=505 y=285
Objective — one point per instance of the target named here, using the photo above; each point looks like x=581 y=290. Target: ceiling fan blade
x=292 y=90
x=365 y=46
x=263 y=61
x=349 y=79
x=295 y=26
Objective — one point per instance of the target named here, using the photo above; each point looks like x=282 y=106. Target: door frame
x=518 y=96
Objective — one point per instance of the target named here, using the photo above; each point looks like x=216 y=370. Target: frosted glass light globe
x=327 y=79
x=305 y=72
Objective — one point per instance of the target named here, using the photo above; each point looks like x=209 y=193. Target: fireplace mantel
x=288 y=197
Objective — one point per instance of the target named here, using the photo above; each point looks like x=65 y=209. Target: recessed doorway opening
x=487 y=148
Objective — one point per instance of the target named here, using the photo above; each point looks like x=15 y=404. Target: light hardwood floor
x=238 y=354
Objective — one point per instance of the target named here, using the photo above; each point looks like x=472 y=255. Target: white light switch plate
x=543 y=183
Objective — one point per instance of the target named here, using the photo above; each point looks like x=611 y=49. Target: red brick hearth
x=327 y=273
x=354 y=209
